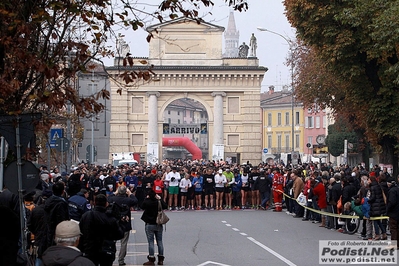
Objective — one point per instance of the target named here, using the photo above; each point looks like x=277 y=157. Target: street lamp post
x=292 y=85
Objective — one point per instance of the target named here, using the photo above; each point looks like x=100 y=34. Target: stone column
x=218 y=117
x=153 y=116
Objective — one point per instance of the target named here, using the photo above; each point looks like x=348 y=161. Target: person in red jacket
x=158 y=184
x=319 y=191
x=278 y=188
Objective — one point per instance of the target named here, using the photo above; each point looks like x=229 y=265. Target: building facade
x=315 y=132
x=96 y=127
x=189 y=64
x=277 y=126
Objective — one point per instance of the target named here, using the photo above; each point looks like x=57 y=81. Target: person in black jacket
x=209 y=187
x=56 y=210
x=10 y=231
x=100 y=229
x=263 y=183
x=348 y=190
x=334 y=193
x=393 y=210
x=148 y=181
x=150 y=207
x=74 y=184
x=125 y=200
x=377 y=207
x=255 y=198
x=38 y=226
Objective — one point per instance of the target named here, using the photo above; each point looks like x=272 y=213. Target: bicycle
x=352 y=224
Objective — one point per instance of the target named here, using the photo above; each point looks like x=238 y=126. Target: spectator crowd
x=99 y=197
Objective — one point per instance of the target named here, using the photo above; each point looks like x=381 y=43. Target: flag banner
x=166 y=129
x=204 y=128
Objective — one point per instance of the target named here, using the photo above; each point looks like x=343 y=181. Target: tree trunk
x=388 y=155
x=366 y=157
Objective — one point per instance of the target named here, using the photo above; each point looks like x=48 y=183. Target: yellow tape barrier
x=333 y=214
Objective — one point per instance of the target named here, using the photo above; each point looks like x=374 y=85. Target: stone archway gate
x=188 y=64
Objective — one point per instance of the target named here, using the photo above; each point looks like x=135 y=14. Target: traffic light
x=88 y=157
x=88 y=153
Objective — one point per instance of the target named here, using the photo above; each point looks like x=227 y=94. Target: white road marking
x=253 y=240
x=271 y=251
x=212 y=263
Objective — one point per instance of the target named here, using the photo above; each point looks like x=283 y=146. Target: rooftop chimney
x=271 y=90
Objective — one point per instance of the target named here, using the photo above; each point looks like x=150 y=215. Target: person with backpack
x=100 y=229
x=37 y=225
x=56 y=211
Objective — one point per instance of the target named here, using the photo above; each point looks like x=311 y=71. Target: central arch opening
x=185 y=130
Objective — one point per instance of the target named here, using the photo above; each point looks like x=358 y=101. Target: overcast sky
x=272 y=49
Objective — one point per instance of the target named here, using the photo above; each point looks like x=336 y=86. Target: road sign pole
x=69 y=137
x=2 y=159
x=92 y=139
x=49 y=150
x=22 y=217
x=62 y=154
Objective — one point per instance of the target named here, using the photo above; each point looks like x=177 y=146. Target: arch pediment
x=184 y=23
x=185 y=42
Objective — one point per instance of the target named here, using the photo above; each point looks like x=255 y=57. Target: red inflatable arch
x=186 y=143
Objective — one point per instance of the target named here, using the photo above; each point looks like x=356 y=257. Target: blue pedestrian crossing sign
x=265 y=150
x=55 y=133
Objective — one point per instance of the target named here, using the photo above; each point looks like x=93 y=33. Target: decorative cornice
x=189 y=68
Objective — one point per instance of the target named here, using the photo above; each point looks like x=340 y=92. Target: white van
x=130 y=162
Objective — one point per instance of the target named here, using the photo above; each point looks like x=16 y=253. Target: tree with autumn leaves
x=354 y=47
x=45 y=43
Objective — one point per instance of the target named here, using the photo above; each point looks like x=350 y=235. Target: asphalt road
x=234 y=238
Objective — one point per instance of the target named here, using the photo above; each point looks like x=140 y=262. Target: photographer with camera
x=152 y=229
x=125 y=200
x=100 y=229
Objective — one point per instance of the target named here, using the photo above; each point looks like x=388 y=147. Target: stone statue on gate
x=122 y=47
x=243 y=50
x=253 y=45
